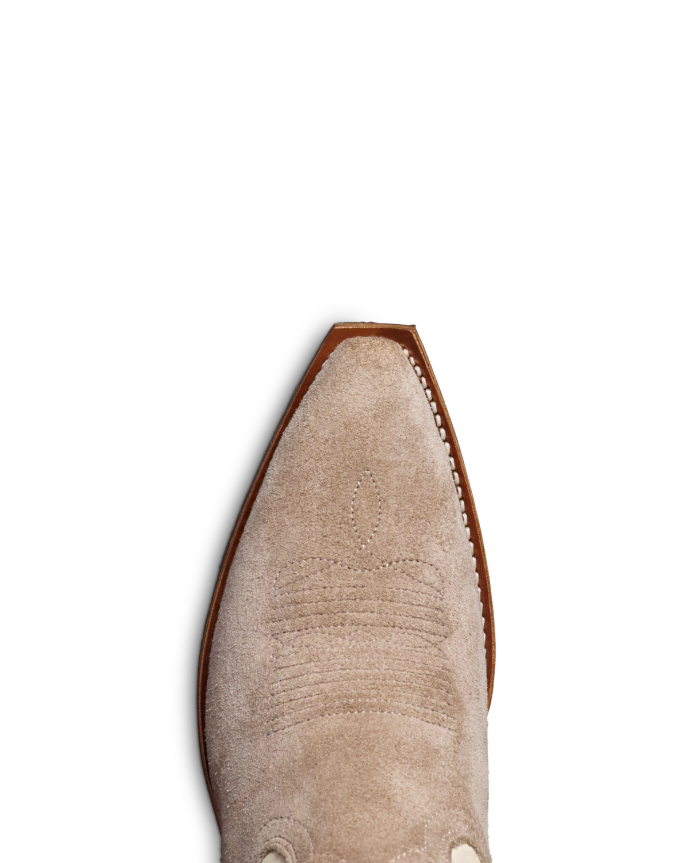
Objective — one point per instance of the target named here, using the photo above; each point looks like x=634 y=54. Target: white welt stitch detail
x=456 y=479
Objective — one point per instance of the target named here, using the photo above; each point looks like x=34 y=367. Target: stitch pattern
x=350 y=626
x=365 y=543
x=356 y=587
x=345 y=670
x=417 y=655
x=393 y=684
x=378 y=601
x=358 y=647
x=363 y=712
x=343 y=701
x=359 y=639
x=430 y=650
x=398 y=687
x=391 y=563
x=349 y=612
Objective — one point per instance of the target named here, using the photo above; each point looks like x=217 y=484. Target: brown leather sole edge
x=407 y=337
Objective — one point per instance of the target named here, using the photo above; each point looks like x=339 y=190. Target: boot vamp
x=346 y=702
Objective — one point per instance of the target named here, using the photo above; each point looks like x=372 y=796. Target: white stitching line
x=456 y=477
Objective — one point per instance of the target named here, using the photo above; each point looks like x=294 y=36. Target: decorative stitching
x=363 y=712
x=355 y=587
x=407 y=647
x=362 y=633
x=356 y=669
x=333 y=613
x=437 y=707
x=419 y=633
x=323 y=712
x=301 y=604
x=289 y=684
x=354 y=569
x=364 y=545
x=430 y=694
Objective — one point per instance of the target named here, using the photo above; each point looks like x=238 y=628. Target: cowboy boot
x=347 y=662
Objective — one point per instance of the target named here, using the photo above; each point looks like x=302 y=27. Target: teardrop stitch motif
x=366 y=481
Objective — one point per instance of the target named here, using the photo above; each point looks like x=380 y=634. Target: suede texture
x=346 y=712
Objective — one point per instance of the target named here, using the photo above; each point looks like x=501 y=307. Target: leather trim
x=407 y=337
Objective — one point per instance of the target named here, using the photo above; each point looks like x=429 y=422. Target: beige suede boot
x=348 y=657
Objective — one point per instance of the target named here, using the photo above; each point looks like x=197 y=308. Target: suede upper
x=346 y=712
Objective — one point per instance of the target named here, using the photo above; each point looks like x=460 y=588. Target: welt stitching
x=454 y=473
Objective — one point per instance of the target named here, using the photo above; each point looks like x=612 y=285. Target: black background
x=206 y=404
